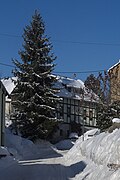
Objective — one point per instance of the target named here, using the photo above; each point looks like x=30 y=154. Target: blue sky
x=85 y=34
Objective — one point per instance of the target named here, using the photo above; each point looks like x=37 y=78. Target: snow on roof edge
x=114 y=65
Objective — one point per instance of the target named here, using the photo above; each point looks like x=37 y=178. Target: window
x=61 y=110
x=76 y=102
x=68 y=111
x=76 y=119
x=76 y=110
x=84 y=114
x=80 y=110
x=65 y=100
x=72 y=109
x=90 y=114
x=72 y=101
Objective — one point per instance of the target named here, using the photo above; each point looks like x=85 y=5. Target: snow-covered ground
x=97 y=158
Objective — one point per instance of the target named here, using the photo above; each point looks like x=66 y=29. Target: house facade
x=114 y=73
x=3 y=94
x=78 y=107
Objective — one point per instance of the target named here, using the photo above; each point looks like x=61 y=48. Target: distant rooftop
x=114 y=65
x=9 y=84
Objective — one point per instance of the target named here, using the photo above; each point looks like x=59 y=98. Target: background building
x=3 y=93
x=114 y=73
x=78 y=106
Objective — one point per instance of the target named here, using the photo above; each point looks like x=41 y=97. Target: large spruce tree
x=34 y=98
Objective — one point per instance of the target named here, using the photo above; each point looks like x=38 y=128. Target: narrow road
x=42 y=169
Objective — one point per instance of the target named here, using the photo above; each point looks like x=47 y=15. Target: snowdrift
x=64 y=144
x=19 y=147
x=6 y=159
x=22 y=148
x=101 y=153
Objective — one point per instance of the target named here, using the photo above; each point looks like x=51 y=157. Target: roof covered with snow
x=72 y=88
x=9 y=84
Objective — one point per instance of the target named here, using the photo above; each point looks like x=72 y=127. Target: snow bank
x=91 y=133
x=101 y=154
x=64 y=144
x=73 y=135
x=6 y=159
x=18 y=146
x=4 y=151
x=22 y=148
x=74 y=154
x=116 y=120
x=94 y=172
x=101 y=149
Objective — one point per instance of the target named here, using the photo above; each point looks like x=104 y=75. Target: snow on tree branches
x=34 y=98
